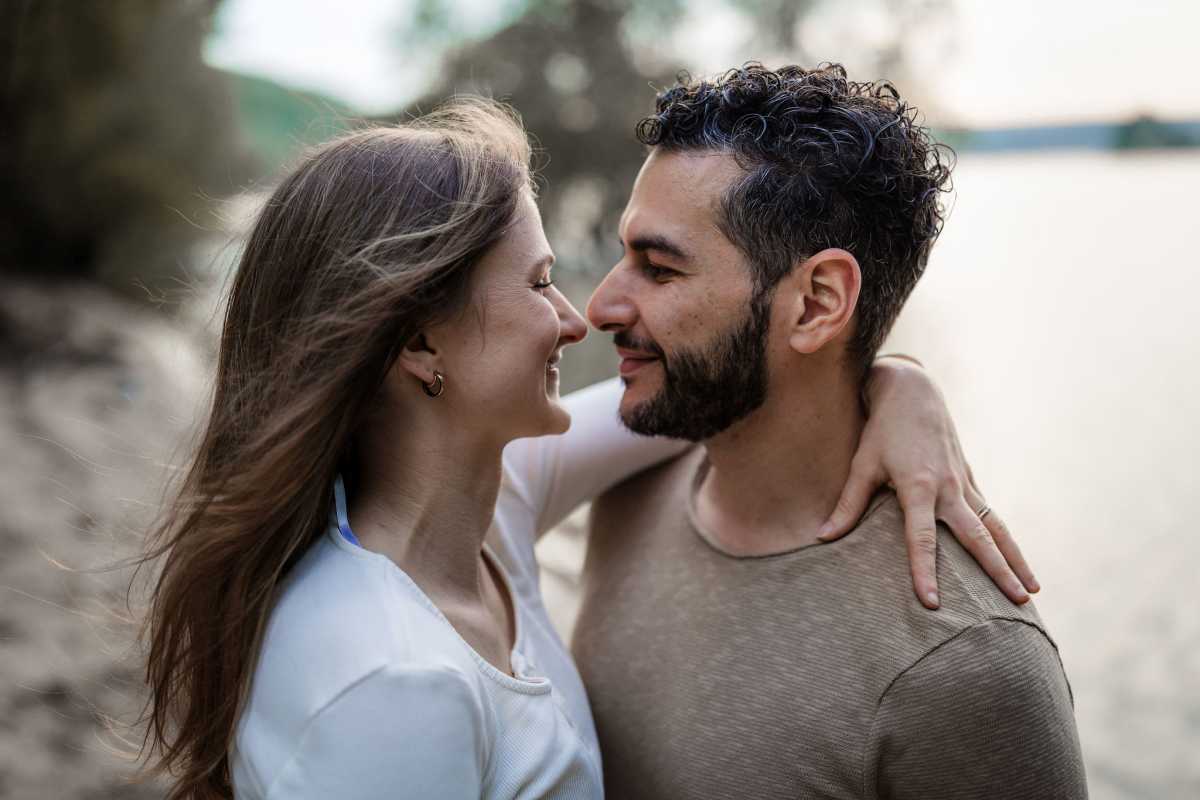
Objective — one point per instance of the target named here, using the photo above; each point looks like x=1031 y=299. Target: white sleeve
x=397 y=733
x=554 y=474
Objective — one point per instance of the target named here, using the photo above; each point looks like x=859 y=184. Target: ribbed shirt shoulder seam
x=921 y=658
x=966 y=629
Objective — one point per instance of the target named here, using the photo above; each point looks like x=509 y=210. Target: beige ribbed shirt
x=813 y=673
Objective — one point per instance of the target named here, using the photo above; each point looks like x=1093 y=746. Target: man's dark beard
x=706 y=391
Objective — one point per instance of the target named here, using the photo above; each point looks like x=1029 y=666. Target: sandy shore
x=92 y=389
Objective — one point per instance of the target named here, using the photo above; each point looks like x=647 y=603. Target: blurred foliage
x=276 y=121
x=115 y=134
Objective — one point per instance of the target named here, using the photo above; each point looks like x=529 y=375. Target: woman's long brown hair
x=368 y=241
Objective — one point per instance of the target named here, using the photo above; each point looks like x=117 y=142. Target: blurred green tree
x=114 y=136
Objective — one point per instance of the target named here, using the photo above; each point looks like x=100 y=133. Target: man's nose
x=611 y=308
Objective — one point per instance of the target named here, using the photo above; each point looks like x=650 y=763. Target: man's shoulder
x=978 y=676
x=968 y=594
x=875 y=556
x=999 y=655
x=988 y=713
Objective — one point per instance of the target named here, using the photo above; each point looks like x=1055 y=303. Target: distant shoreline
x=1141 y=133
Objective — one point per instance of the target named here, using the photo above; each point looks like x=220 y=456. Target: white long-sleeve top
x=363 y=690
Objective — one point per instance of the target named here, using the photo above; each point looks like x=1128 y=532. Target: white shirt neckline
x=522 y=683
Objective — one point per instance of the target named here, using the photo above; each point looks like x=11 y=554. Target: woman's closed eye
x=544 y=283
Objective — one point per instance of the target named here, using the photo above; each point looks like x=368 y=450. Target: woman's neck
x=425 y=498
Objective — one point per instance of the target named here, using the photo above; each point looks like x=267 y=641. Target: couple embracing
x=348 y=605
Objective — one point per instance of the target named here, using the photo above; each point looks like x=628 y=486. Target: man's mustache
x=626 y=340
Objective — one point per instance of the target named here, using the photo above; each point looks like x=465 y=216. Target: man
x=776 y=228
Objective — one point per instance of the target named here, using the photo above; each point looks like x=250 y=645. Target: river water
x=1058 y=313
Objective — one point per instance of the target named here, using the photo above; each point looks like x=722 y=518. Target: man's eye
x=544 y=284
x=659 y=273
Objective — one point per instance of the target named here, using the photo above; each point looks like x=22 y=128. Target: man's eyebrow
x=657 y=242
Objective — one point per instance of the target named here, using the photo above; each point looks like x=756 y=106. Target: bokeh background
x=1058 y=311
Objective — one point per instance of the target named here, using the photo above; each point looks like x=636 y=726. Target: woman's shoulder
x=293 y=749
x=345 y=628
x=343 y=614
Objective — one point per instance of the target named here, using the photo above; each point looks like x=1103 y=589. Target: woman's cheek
x=552 y=326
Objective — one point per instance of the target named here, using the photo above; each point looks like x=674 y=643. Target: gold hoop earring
x=435 y=387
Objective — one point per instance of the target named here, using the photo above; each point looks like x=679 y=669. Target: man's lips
x=633 y=360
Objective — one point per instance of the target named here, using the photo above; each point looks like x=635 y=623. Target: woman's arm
x=910 y=442
x=554 y=474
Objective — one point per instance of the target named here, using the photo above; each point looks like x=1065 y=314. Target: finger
x=920 y=532
x=975 y=537
x=971 y=481
x=856 y=494
x=1003 y=538
x=1011 y=552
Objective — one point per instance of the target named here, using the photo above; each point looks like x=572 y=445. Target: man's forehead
x=680 y=189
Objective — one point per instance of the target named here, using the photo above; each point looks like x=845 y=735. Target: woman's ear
x=419 y=358
x=828 y=286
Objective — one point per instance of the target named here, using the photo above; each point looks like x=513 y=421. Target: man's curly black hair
x=829 y=163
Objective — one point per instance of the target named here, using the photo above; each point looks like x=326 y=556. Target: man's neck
x=775 y=477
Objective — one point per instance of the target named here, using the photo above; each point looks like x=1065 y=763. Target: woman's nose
x=572 y=326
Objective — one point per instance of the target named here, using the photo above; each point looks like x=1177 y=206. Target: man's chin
x=631 y=422
x=640 y=390
x=633 y=413
x=628 y=410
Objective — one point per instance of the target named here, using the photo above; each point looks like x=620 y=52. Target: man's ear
x=828 y=284
x=419 y=358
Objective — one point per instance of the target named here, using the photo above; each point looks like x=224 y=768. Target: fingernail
x=826 y=531
x=1034 y=586
x=932 y=599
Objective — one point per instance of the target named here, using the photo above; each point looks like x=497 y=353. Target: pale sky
x=1011 y=62
x=1063 y=60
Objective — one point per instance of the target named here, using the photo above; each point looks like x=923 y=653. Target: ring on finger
x=983 y=512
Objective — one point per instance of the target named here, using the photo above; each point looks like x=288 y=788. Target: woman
x=348 y=602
